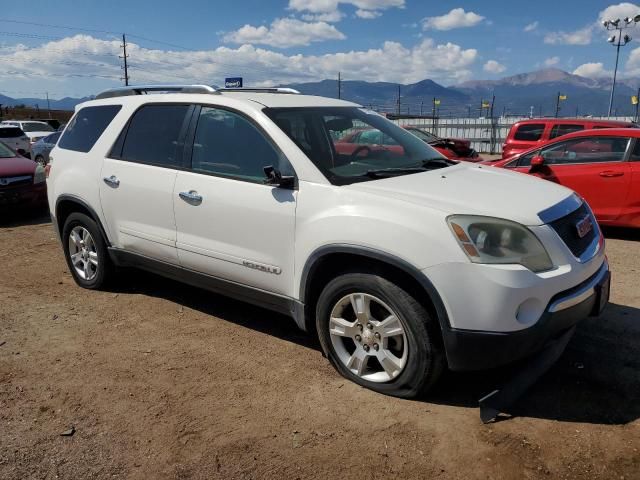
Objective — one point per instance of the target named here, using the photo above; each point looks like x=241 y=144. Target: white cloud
x=551 y=61
x=367 y=14
x=366 y=9
x=330 y=17
x=456 y=18
x=284 y=33
x=592 y=70
x=493 y=67
x=620 y=10
x=577 y=37
x=48 y=66
x=632 y=67
x=531 y=26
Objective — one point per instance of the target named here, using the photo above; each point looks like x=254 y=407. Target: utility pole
x=339 y=86
x=635 y=118
x=558 y=105
x=618 y=40
x=124 y=57
x=398 y=106
x=421 y=106
x=48 y=105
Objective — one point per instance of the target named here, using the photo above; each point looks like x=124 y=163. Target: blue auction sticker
x=233 y=82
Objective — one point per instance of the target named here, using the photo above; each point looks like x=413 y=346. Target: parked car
x=534 y=132
x=358 y=139
x=15 y=138
x=22 y=181
x=401 y=261
x=454 y=148
x=33 y=129
x=603 y=166
x=41 y=149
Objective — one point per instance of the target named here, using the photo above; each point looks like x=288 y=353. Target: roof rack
x=145 y=89
x=291 y=91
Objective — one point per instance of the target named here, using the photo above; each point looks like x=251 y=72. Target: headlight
x=494 y=240
x=39 y=176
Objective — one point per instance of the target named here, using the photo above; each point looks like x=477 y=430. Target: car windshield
x=6 y=152
x=37 y=127
x=351 y=144
x=422 y=135
x=10 y=132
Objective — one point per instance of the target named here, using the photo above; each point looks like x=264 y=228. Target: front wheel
x=378 y=335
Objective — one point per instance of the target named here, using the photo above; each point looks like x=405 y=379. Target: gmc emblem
x=584 y=226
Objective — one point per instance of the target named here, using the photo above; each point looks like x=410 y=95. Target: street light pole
x=618 y=40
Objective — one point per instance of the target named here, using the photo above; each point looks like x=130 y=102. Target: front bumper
x=478 y=350
x=27 y=196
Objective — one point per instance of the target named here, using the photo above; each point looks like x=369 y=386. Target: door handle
x=611 y=173
x=112 y=181
x=192 y=197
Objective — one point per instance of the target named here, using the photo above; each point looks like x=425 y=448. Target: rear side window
x=154 y=136
x=531 y=132
x=559 y=130
x=87 y=125
x=10 y=132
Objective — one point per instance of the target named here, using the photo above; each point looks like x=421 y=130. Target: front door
x=230 y=224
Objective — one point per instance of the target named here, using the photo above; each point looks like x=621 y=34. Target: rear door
x=138 y=177
x=630 y=214
x=595 y=167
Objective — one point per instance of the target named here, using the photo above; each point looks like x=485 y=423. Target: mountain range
x=515 y=95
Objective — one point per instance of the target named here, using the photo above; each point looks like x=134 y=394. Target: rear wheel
x=86 y=251
x=377 y=335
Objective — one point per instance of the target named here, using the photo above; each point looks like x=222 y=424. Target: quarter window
x=559 y=130
x=531 y=132
x=87 y=125
x=228 y=144
x=154 y=136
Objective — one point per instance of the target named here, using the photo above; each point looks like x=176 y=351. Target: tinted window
x=559 y=130
x=153 y=135
x=10 y=132
x=635 y=155
x=6 y=152
x=53 y=138
x=586 y=150
x=36 y=127
x=86 y=126
x=228 y=144
x=530 y=132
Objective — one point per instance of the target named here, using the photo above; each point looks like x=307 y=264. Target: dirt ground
x=160 y=380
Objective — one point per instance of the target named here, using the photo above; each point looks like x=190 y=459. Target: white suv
x=401 y=261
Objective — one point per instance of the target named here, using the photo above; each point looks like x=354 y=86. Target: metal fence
x=486 y=134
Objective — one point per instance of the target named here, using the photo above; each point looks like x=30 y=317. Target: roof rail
x=291 y=91
x=145 y=89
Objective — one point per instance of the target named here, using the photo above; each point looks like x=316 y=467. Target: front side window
x=154 y=136
x=86 y=126
x=586 y=150
x=560 y=129
x=11 y=132
x=227 y=144
x=351 y=144
x=531 y=132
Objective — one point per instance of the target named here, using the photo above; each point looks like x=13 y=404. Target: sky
x=72 y=47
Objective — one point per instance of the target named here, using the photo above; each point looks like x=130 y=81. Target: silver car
x=40 y=150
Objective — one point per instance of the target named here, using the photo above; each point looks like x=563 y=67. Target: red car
x=22 y=181
x=601 y=165
x=455 y=149
x=534 y=132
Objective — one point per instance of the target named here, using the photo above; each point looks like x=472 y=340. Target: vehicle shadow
x=620 y=233
x=22 y=217
x=595 y=380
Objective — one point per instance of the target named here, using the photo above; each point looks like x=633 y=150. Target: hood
x=13 y=167
x=473 y=189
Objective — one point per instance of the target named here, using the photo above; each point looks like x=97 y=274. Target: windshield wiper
x=392 y=172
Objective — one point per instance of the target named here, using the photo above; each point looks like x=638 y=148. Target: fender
x=312 y=263
x=85 y=205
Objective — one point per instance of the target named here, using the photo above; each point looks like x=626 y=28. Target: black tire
x=105 y=269
x=425 y=361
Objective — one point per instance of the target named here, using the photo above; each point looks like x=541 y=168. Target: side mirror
x=275 y=178
x=537 y=162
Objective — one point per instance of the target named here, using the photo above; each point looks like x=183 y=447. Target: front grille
x=567 y=228
x=11 y=182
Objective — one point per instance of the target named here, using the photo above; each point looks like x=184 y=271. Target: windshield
x=36 y=127
x=422 y=135
x=351 y=144
x=6 y=152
